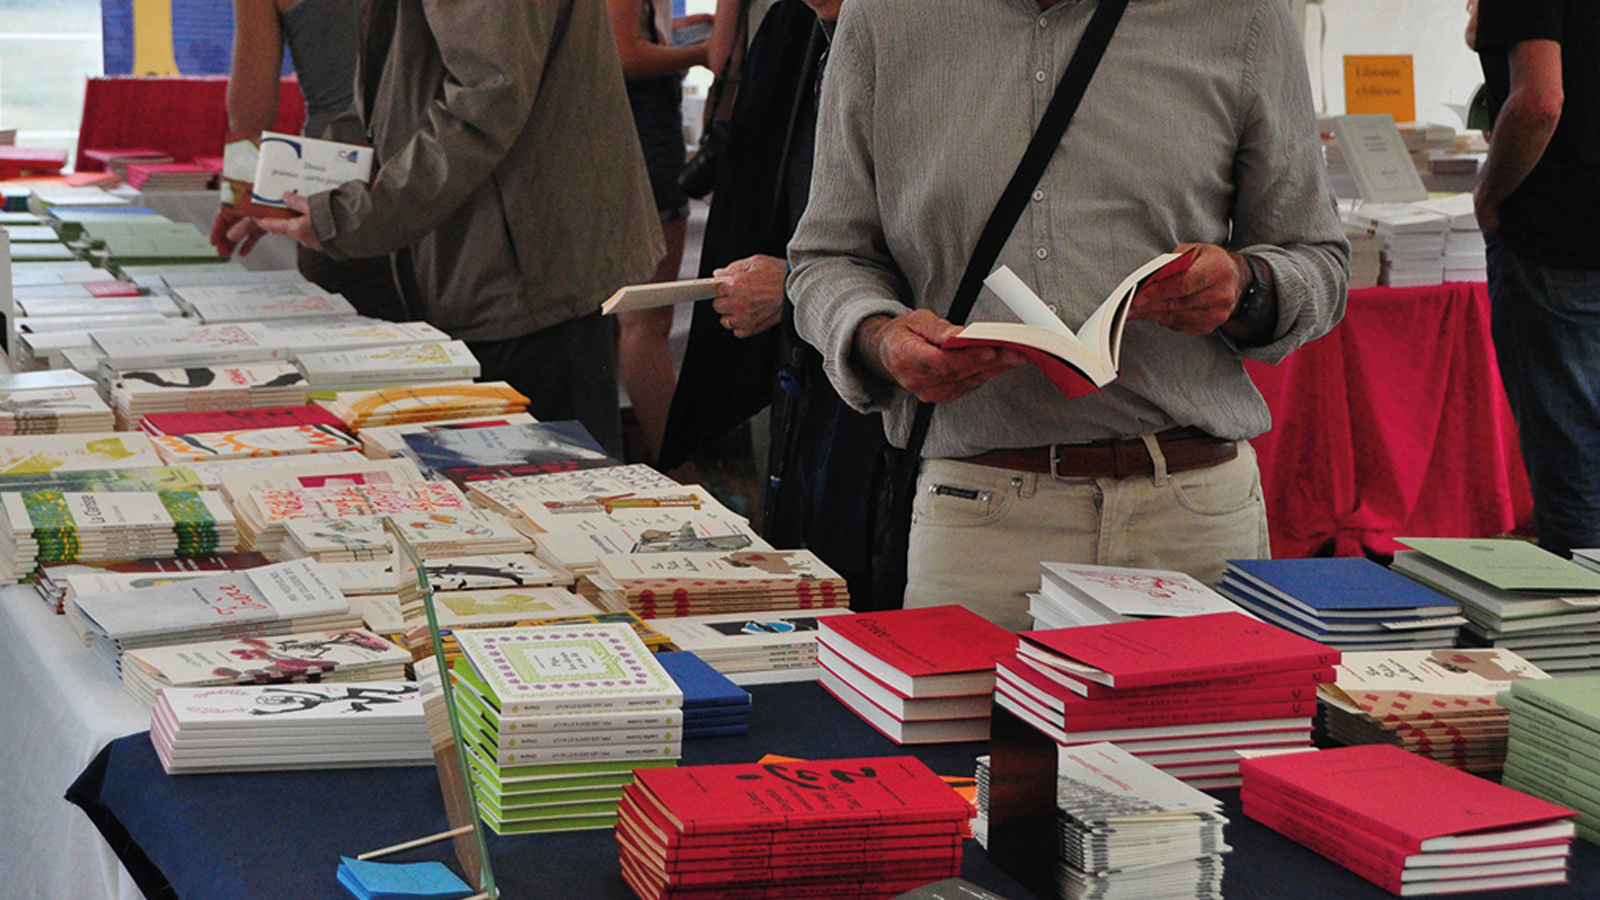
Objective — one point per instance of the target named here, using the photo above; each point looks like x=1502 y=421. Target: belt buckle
x=1054 y=459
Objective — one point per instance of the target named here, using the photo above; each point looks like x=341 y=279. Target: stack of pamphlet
x=384 y=441
x=1075 y=594
x=77 y=452
x=463 y=454
x=713 y=706
x=1129 y=829
x=1465 y=252
x=1184 y=694
x=286 y=598
x=263 y=514
x=920 y=676
x=1413 y=241
x=1408 y=824
x=1435 y=703
x=540 y=705
x=136 y=393
x=381 y=367
x=259 y=302
x=872 y=827
x=503 y=494
x=1515 y=596
x=51 y=403
x=263 y=728
x=437 y=534
x=1554 y=751
x=290 y=440
x=325 y=656
x=168 y=176
x=1346 y=602
x=753 y=649
x=667 y=585
x=55 y=584
x=48 y=527
x=428 y=403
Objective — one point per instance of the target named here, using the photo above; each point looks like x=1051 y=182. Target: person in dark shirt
x=1538 y=203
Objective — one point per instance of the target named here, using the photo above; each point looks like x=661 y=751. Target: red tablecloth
x=186 y=117
x=1394 y=424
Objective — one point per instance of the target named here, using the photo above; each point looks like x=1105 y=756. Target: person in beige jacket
x=509 y=185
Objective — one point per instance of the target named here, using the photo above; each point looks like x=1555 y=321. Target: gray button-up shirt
x=1198 y=126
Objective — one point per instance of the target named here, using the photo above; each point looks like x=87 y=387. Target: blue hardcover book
x=716 y=716
x=702 y=685
x=1340 y=588
x=369 y=880
x=689 y=733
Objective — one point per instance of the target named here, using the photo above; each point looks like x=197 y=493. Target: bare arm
x=641 y=57
x=257 y=60
x=1523 y=129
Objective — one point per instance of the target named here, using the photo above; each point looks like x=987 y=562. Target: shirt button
x=1053 y=309
x=1043 y=22
x=1042 y=252
x=1040 y=76
x=1037 y=196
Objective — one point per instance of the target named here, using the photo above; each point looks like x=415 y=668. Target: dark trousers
x=567 y=371
x=368 y=283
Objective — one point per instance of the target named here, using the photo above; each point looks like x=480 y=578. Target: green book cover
x=1576 y=699
x=1510 y=565
x=138 y=239
x=566 y=669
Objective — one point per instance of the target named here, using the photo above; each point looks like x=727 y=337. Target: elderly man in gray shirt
x=1197 y=130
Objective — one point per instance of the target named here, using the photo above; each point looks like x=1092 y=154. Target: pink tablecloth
x=1392 y=425
x=184 y=116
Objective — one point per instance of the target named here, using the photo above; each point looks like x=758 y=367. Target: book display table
x=1393 y=424
x=242 y=837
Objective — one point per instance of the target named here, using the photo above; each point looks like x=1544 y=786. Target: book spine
x=1326 y=843
x=1271 y=785
x=523 y=708
x=1577 y=716
x=1549 y=728
x=631 y=737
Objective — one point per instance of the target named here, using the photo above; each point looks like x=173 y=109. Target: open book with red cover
x=1080 y=362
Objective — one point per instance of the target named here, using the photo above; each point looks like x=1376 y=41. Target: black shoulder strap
x=1069 y=93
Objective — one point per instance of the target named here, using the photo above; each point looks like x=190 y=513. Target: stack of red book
x=920 y=676
x=1183 y=693
x=167 y=176
x=1408 y=824
x=849 y=828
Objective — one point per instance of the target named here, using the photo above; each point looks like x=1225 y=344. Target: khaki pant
x=978 y=533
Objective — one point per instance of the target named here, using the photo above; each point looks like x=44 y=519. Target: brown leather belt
x=1184 y=449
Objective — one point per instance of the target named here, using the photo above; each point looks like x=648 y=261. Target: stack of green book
x=46 y=527
x=147 y=240
x=1554 y=748
x=554 y=719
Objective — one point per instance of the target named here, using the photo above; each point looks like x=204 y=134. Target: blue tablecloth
x=270 y=836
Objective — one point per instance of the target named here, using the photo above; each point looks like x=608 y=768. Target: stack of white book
x=321 y=656
x=51 y=403
x=48 y=527
x=74 y=348
x=236 y=478
x=162 y=346
x=1465 y=253
x=431 y=403
x=381 y=367
x=1516 y=596
x=1079 y=594
x=533 y=701
x=285 y=598
x=437 y=534
x=289 y=440
x=387 y=441
x=299 y=337
x=137 y=393
x=669 y=585
x=76 y=452
x=752 y=649
x=1413 y=241
x=1128 y=829
x=263 y=514
x=259 y=728
x=503 y=494
x=69 y=302
x=220 y=304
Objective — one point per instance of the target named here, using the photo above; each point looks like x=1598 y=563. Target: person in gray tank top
x=322 y=37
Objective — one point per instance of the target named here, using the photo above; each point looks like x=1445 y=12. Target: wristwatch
x=1257 y=293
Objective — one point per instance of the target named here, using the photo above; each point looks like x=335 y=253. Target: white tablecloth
x=199 y=208
x=59 y=705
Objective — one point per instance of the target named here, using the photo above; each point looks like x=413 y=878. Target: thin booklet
x=1080 y=362
x=663 y=293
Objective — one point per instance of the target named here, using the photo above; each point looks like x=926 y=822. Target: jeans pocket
x=1219 y=490
x=960 y=499
x=1574 y=291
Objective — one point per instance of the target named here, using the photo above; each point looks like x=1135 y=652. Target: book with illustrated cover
x=376 y=367
x=506 y=606
x=382 y=441
x=1080 y=594
x=59 y=410
x=96 y=481
x=1076 y=362
x=502 y=494
x=219 y=304
x=45 y=527
x=238 y=478
x=462 y=476
x=425 y=403
x=292 y=163
x=292 y=440
x=52 y=581
x=325 y=656
x=45 y=454
x=237 y=420
x=561 y=669
x=504 y=445
x=666 y=531
x=211 y=345
x=437 y=534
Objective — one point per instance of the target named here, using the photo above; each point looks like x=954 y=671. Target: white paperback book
x=219 y=304
x=291 y=164
x=1118 y=594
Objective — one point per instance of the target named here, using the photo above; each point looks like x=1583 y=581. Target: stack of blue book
x=712 y=705
x=1347 y=602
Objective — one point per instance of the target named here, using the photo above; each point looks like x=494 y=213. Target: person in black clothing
x=743 y=353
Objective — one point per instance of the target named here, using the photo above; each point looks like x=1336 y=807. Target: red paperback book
x=1407 y=799
x=1161 y=718
x=1294 y=731
x=1326 y=675
x=936 y=651
x=1148 y=652
x=238 y=420
x=1059 y=698
x=647 y=822
x=18 y=161
x=812 y=794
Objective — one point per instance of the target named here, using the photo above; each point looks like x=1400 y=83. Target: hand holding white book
x=1080 y=362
